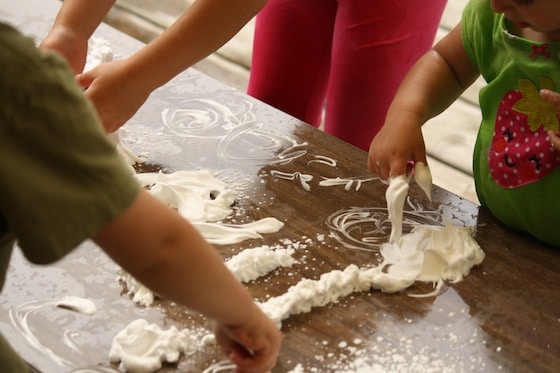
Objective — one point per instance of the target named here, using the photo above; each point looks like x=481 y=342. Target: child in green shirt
x=515 y=45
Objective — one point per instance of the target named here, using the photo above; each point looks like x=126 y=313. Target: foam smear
x=432 y=254
x=396 y=195
x=196 y=195
x=99 y=51
x=428 y=254
x=251 y=264
x=423 y=177
x=246 y=266
x=142 y=347
x=123 y=148
x=77 y=304
x=224 y=234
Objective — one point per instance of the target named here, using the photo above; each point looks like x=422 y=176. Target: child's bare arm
x=74 y=24
x=433 y=83
x=203 y=28
x=166 y=253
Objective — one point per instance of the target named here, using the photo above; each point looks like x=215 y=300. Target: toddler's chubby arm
x=119 y=88
x=554 y=99
x=432 y=84
x=166 y=253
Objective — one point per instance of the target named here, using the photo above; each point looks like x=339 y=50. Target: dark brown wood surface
x=504 y=316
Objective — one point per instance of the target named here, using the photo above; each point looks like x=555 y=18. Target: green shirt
x=61 y=179
x=515 y=167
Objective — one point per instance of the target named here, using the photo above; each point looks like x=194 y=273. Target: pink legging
x=349 y=55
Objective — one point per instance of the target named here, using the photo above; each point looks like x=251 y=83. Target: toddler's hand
x=253 y=346
x=554 y=99
x=397 y=143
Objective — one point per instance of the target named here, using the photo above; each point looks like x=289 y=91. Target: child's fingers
x=84 y=80
x=257 y=362
x=554 y=139
x=550 y=96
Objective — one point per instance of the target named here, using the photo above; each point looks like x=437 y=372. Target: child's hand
x=116 y=92
x=554 y=139
x=554 y=99
x=253 y=346
x=399 y=141
x=69 y=44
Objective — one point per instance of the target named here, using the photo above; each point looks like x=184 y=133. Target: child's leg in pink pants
x=291 y=56
x=351 y=53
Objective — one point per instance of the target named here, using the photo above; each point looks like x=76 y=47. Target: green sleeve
x=61 y=178
x=480 y=33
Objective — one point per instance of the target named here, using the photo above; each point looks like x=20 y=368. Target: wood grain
x=502 y=317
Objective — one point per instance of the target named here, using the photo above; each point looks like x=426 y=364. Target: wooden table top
x=504 y=316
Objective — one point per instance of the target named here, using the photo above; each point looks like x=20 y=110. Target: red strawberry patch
x=521 y=152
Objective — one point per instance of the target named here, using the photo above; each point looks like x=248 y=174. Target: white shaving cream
x=429 y=253
x=142 y=347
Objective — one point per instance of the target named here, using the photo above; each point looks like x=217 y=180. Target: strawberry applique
x=521 y=152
